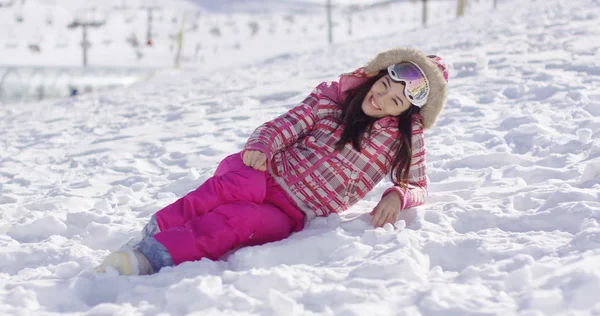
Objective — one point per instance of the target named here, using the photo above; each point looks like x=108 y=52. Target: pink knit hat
x=441 y=64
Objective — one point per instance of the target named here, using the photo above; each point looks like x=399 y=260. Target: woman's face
x=386 y=98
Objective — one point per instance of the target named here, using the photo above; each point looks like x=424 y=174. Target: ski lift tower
x=84 y=23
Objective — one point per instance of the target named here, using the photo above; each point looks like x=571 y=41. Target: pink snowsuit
x=306 y=177
x=238 y=206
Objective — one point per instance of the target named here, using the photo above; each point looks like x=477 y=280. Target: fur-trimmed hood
x=433 y=66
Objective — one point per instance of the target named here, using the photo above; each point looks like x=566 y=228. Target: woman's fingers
x=245 y=158
x=383 y=214
x=250 y=158
x=263 y=166
x=257 y=163
x=261 y=161
x=379 y=217
x=255 y=159
x=386 y=217
x=394 y=218
x=375 y=213
x=383 y=218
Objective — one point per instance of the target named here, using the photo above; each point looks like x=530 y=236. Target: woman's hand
x=387 y=210
x=255 y=159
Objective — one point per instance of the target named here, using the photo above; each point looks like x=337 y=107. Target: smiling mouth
x=373 y=105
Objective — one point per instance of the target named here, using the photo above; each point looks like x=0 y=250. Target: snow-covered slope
x=214 y=32
x=510 y=227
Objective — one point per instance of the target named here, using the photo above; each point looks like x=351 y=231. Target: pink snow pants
x=238 y=206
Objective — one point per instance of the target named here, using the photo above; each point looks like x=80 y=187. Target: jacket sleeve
x=274 y=136
x=416 y=192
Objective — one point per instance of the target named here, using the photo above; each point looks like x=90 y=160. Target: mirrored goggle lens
x=416 y=85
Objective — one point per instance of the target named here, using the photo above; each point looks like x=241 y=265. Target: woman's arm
x=274 y=136
x=416 y=192
x=398 y=198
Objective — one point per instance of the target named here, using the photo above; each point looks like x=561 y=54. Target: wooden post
x=179 y=45
x=84 y=44
x=460 y=8
x=350 y=23
x=424 y=12
x=329 y=23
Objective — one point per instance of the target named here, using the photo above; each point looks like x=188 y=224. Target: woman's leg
x=179 y=223
x=225 y=228
x=149 y=230
x=233 y=181
x=141 y=255
x=153 y=254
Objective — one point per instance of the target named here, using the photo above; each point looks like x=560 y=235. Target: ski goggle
x=416 y=86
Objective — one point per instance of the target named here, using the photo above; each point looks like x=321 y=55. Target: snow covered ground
x=510 y=227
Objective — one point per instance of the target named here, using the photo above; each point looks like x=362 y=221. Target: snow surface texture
x=510 y=226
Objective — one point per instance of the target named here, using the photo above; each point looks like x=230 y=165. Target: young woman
x=320 y=157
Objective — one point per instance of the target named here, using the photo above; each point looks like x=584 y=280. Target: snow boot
x=130 y=262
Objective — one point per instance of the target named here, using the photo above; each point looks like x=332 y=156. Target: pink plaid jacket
x=301 y=156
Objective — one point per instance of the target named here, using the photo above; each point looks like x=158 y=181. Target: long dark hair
x=356 y=123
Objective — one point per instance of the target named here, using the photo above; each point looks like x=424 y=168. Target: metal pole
x=149 y=33
x=149 y=24
x=495 y=4
x=424 y=12
x=84 y=44
x=329 y=23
